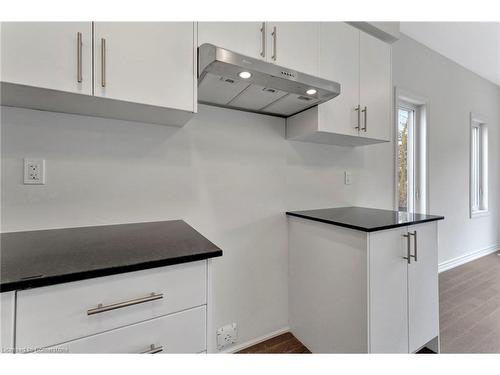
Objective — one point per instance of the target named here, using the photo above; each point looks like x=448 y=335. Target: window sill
x=476 y=214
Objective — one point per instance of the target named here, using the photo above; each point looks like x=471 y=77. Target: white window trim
x=420 y=102
x=478 y=121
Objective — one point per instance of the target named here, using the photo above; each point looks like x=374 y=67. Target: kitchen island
x=363 y=280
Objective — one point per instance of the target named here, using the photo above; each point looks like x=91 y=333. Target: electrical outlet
x=348 y=177
x=34 y=172
x=227 y=335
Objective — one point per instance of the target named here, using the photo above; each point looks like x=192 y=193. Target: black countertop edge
x=364 y=229
x=59 y=279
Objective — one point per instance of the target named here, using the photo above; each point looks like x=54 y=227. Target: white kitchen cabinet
x=361 y=114
x=375 y=89
x=247 y=38
x=135 y=71
x=423 y=295
x=294 y=45
x=52 y=55
x=7 y=321
x=352 y=291
x=145 y=62
x=182 y=332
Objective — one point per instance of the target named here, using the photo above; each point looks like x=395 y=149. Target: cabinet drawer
x=54 y=314
x=182 y=332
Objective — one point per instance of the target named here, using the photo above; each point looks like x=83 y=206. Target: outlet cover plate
x=34 y=171
x=227 y=335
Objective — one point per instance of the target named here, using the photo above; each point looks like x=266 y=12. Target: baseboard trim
x=455 y=262
x=255 y=341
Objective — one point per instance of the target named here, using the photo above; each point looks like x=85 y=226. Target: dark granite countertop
x=46 y=257
x=364 y=219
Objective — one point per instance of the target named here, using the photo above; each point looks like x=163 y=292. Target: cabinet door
x=48 y=55
x=146 y=62
x=339 y=61
x=246 y=38
x=375 y=87
x=423 y=296
x=294 y=45
x=7 y=321
x=388 y=291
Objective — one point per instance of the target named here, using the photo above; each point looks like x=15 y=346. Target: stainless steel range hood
x=267 y=88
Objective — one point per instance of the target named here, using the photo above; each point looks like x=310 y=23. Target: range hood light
x=311 y=92
x=245 y=75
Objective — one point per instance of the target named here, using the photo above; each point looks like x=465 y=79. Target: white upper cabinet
x=247 y=38
x=146 y=62
x=294 y=45
x=53 y=55
x=339 y=57
x=375 y=87
x=361 y=114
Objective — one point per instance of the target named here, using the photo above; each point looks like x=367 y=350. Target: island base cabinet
x=352 y=291
x=183 y=332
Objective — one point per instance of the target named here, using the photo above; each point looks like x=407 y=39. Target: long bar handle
x=79 y=77
x=100 y=308
x=275 y=48
x=358 y=109
x=408 y=246
x=263 y=39
x=103 y=62
x=153 y=350
x=414 y=234
x=365 y=111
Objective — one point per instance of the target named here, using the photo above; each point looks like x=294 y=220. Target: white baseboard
x=452 y=263
x=255 y=341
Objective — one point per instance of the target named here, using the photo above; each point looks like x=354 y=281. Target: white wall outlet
x=34 y=171
x=227 y=335
x=348 y=177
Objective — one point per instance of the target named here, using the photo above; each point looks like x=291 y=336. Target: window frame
x=420 y=104
x=479 y=174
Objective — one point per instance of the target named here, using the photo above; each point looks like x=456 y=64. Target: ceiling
x=474 y=45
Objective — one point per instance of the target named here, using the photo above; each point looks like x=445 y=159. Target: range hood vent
x=228 y=79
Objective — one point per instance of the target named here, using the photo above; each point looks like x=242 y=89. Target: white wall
x=453 y=92
x=229 y=174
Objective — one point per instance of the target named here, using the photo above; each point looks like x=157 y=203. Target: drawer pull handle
x=153 y=350
x=100 y=308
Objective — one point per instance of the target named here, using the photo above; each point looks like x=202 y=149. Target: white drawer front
x=182 y=332
x=54 y=314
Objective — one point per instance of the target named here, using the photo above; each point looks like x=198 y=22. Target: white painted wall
x=229 y=174
x=453 y=92
x=232 y=174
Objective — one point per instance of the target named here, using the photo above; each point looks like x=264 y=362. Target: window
x=478 y=167
x=411 y=153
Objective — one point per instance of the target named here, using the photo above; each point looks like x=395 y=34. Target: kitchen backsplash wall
x=229 y=174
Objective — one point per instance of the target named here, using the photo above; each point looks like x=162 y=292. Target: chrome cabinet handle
x=414 y=234
x=275 y=48
x=101 y=308
x=365 y=111
x=263 y=39
x=408 y=246
x=153 y=350
x=79 y=77
x=358 y=109
x=103 y=62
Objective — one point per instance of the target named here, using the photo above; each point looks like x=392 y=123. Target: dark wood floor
x=282 y=344
x=469 y=298
x=469 y=316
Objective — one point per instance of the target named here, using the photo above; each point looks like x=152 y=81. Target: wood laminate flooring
x=282 y=344
x=469 y=298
